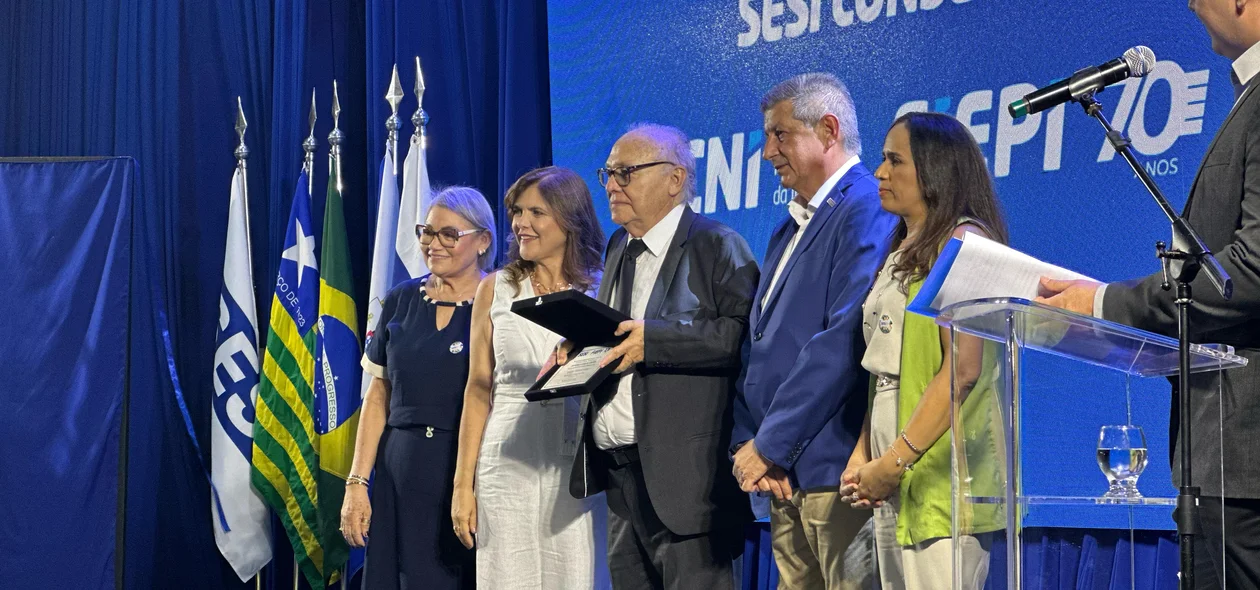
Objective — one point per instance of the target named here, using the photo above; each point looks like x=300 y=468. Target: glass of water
x=1122 y=457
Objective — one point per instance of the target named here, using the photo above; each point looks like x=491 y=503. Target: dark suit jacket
x=695 y=321
x=804 y=393
x=1224 y=207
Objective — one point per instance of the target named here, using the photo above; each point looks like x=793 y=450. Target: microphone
x=1136 y=62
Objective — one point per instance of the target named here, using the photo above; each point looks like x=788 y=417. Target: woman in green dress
x=934 y=177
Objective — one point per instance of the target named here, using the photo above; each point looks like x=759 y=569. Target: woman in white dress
x=511 y=495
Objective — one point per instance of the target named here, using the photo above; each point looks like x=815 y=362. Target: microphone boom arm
x=1189 y=252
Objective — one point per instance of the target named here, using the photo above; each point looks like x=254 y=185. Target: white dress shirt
x=802 y=215
x=614 y=425
x=1242 y=70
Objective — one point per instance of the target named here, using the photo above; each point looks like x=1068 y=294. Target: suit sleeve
x=709 y=343
x=820 y=380
x=1143 y=304
x=745 y=427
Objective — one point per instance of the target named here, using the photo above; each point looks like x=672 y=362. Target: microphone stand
x=1182 y=263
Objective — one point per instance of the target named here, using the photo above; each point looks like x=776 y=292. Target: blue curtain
x=487 y=96
x=1053 y=559
x=1095 y=559
x=64 y=356
x=159 y=82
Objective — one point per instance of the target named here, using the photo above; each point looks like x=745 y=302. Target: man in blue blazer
x=803 y=394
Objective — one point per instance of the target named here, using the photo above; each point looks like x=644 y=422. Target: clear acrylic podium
x=991 y=500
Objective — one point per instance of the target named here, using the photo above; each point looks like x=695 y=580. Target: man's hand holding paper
x=1072 y=295
x=976 y=267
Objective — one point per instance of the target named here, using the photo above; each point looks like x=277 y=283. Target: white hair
x=672 y=145
x=814 y=95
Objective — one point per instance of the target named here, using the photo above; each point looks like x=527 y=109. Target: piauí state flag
x=337 y=395
x=286 y=459
x=412 y=209
x=243 y=529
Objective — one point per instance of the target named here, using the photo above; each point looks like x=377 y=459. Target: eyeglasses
x=623 y=174
x=447 y=236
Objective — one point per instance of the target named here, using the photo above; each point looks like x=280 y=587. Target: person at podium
x=934 y=178
x=1224 y=208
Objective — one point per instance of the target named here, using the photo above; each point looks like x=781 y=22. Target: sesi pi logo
x=1153 y=131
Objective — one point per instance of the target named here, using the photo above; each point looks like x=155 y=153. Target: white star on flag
x=302 y=253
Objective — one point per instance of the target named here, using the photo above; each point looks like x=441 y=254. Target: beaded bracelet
x=910 y=444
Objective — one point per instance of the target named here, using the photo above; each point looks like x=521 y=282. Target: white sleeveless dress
x=531 y=533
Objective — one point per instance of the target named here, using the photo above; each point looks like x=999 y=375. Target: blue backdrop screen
x=704 y=65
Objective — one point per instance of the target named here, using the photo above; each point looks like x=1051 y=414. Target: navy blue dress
x=411 y=543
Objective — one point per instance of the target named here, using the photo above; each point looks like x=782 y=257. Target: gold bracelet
x=901 y=463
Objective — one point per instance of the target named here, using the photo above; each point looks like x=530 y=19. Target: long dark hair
x=954 y=182
x=570 y=202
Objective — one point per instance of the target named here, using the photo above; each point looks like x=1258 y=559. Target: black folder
x=580 y=319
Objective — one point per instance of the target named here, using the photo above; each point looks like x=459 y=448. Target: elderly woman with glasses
x=408 y=428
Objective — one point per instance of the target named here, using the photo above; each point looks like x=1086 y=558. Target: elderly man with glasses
x=655 y=436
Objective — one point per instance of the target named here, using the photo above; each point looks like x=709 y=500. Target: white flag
x=242 y=529
x=414 y=206
x=383 y=258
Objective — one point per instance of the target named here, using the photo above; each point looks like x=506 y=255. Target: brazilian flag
x=337 y=393
x=285 y=468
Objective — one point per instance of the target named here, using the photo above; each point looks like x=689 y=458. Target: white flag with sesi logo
x=242 y=529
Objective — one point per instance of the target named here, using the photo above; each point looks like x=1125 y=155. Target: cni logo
x=737 y=172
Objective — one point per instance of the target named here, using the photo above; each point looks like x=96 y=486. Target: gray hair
x=813 y=95
x=469 y=203
x=673 y=145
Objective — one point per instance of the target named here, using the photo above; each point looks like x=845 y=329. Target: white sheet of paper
x=579 y=368
x=985 y=268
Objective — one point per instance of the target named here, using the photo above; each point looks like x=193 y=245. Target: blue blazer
x=803 y=393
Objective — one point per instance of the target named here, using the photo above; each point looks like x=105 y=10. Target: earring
x=481 y=253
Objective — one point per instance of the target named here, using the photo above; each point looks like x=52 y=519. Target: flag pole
x=392 y=125
x=335 y=138
x=296 y=575
x=420 y=119
x=308 y=146
x=242 y=152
